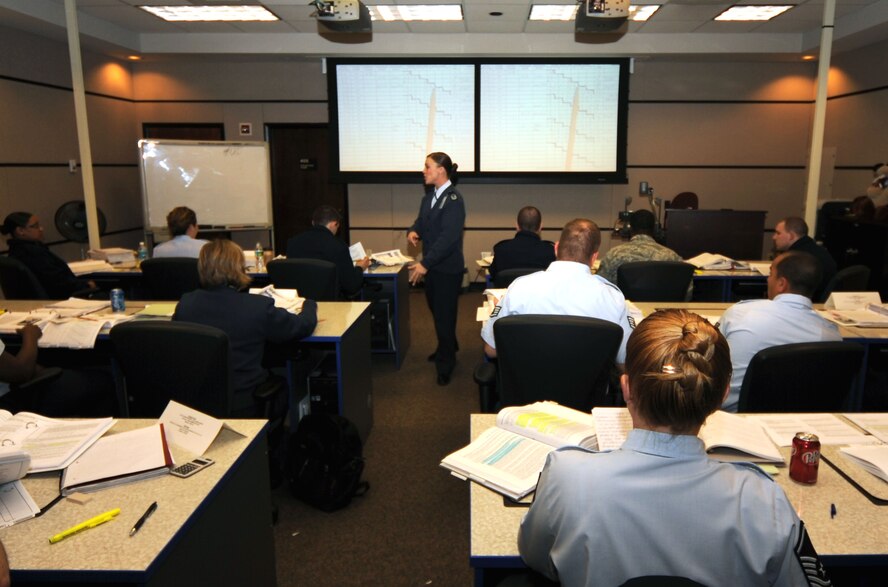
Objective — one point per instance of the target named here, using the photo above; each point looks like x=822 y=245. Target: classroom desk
x=213 y=528
x=855 y=537
x=343 y=328
x=721 y=283
x=395 y=289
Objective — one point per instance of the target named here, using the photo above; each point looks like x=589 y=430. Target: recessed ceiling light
x=748 y=13
x=642 y=13
x=569 y=12
x=213 y=13
x=553 y=11
x=134 y=57
x=808 y=58
x=414 y=12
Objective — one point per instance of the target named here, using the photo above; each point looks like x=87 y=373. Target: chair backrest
x=505 y=277
x=169 y=278
x=566 y=359
x=801 y=377
x=313 y=278
x=18 y=282
x=685 y=201
x=655 y=281
x=851 y=278
x=163 y=360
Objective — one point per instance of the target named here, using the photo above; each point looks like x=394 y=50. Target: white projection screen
x=549 y=117
x=502 y=120
x=392 y=115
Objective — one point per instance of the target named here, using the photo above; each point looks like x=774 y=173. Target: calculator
x=191 y=467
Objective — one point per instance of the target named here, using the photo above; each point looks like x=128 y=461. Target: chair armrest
x=45 y=376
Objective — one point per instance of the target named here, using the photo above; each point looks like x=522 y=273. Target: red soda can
x=805 y=458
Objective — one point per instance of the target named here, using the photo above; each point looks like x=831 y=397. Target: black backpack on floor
x=325 y=461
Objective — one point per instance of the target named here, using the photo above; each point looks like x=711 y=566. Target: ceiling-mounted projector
x=343 y=16
x=601 y=16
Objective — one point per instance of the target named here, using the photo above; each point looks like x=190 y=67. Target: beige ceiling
x=679 y=28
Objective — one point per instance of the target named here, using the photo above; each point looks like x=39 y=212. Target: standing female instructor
x=439 y=225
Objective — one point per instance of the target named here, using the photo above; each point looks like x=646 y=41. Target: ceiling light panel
x=752 y=13
x=416 y=12
x=214 y=13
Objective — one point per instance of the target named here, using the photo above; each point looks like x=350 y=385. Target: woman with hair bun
x=439 y=225
x=659 y=506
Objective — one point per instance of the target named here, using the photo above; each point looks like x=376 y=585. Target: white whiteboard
x=227 y=184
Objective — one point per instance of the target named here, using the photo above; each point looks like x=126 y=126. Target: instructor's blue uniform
x=439 y=224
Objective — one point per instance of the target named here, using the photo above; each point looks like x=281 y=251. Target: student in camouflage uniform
x=641 y=247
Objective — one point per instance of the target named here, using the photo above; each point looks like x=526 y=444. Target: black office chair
x=655 y=281
x=852 y=278
x=802 y=377
x=169 y=278
x=18 y=282
x=505 y=277
x=164 y=360
x=312 y=278
x=684 y=201
x=566 y=359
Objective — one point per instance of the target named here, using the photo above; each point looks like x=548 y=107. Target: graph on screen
x=541 y=117
x=390 y=116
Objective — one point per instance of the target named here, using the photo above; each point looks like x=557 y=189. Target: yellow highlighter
x=90 y=523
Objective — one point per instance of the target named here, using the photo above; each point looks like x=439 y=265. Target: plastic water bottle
x=141 y=253
x=260 y=258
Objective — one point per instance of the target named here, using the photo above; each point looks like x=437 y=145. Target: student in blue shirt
x=182 y=224
x=659 y=506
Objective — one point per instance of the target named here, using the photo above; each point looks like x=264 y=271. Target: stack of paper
x=78 y=333
x=287 y=299
x=716 y=262
x=10 y=322
x=91 y=266
x=118 y=459
x=114 y=255
x=51 y=444
x=391 y=258
x=77 y=307
x=872 y=458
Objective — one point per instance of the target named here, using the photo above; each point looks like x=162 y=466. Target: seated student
x=566 y=288
x=249 y=320
x=320 y=242
x=786 y=317
x=75 y=393
x=182 y=224
x=659 y=506
x=526 y=250
x=641 y=247
x=26 y=245
x=791 y=234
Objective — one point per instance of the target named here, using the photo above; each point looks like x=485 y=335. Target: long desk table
x=387 y=285
x=855 y=537
x=343 y=328
x=213 y=528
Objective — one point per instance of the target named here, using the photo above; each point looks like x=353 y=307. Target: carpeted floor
x=412 y=527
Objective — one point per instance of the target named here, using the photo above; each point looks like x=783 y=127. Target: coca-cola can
x=805 y=458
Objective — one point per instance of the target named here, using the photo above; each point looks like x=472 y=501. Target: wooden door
x=300 y=179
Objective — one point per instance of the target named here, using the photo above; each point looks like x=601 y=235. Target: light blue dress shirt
x=754 y=325
x=566 y=288
x=180 y=246
x=659 y=506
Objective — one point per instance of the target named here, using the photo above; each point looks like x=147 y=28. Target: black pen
x=144 y=517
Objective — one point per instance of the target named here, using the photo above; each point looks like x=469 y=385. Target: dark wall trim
x=858 y=93
x=791 y=167
x=65 y=165
x=721 y=101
